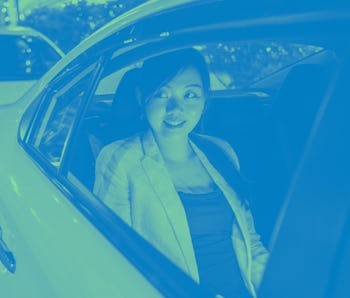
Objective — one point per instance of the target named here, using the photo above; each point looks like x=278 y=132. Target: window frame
x=144 y=50
x=38 y=110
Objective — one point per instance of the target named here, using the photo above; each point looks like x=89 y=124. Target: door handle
x=6 y=256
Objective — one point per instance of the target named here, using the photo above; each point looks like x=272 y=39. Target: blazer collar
x=150 y=147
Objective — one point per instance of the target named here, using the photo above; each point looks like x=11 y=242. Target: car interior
x=268 y=128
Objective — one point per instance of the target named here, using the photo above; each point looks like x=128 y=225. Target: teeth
x=174 y=123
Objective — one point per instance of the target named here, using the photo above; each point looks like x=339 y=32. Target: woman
x=163 y=184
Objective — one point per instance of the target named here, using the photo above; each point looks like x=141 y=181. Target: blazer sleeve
x=111 y=183
x=260 y=254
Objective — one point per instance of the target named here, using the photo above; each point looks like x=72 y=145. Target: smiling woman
x=174 y=101
x=167 y=186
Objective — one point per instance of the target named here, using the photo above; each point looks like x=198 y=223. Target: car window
x=61 y=105
x=113 y=113
x=25 y=57
x=71 y=138
x=254 y=125
x=243 y=120
x=235 y=65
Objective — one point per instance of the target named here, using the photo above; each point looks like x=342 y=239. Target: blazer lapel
x=159 y=178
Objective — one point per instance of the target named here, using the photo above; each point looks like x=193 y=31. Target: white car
x=279 y=94
x=25 y=56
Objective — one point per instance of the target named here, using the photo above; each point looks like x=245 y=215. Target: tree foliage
x=70 y=23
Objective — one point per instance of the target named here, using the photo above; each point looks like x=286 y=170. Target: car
x=278 y=95
x=26 y=55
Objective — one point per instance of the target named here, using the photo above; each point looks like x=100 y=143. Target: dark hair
x=159 y=70
x=155 y=72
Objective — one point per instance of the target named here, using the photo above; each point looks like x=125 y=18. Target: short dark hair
x=159 y=70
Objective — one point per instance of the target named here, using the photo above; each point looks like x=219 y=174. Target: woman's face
x=175 y=109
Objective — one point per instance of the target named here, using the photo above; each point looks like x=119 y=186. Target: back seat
x=243 y=121
x=268 y=132
x=269 y=135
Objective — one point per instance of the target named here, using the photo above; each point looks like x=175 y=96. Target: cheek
x=196 y=112
x=154 y=112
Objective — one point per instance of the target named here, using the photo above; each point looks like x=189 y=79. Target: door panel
x=28 y=280
x=61 y=252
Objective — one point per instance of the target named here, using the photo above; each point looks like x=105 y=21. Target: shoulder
x=120 y=152
x=223 y=145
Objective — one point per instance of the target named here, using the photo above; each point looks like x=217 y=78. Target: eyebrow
x=194 y=85
x=189 y=85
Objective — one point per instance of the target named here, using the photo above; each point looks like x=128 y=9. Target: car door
x=57 y=251
x=310 y=255
x=19 y=265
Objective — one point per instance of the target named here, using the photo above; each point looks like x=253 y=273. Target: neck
x=175 y=149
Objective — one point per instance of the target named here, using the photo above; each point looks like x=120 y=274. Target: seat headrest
x=126 y=112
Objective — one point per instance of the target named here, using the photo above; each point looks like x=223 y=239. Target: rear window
x=25 y=57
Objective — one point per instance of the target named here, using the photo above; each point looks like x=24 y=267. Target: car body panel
x=13 y=90
x=28 y=274
x=58 y=231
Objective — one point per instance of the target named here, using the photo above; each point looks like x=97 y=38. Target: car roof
x=144 y=10
x=246 y=9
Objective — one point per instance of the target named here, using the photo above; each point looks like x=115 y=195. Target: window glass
x=62 y=104
x=236 y=65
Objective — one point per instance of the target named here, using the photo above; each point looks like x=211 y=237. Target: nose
x=174 y=104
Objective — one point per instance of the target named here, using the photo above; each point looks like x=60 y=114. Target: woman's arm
x=111 y=184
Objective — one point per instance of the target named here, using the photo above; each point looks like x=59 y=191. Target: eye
x=162 y=94
x=193 y=95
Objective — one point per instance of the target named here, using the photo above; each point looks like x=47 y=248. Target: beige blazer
x=132 y=180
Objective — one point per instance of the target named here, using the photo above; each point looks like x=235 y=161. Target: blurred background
x=66 y=23
x=76 y=18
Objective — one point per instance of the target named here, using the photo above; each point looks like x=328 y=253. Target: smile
x=174 y=124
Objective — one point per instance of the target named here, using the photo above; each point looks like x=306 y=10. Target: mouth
x=173 y=125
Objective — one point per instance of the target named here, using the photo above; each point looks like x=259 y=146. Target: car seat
x=296 y=107
x=287 y=130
